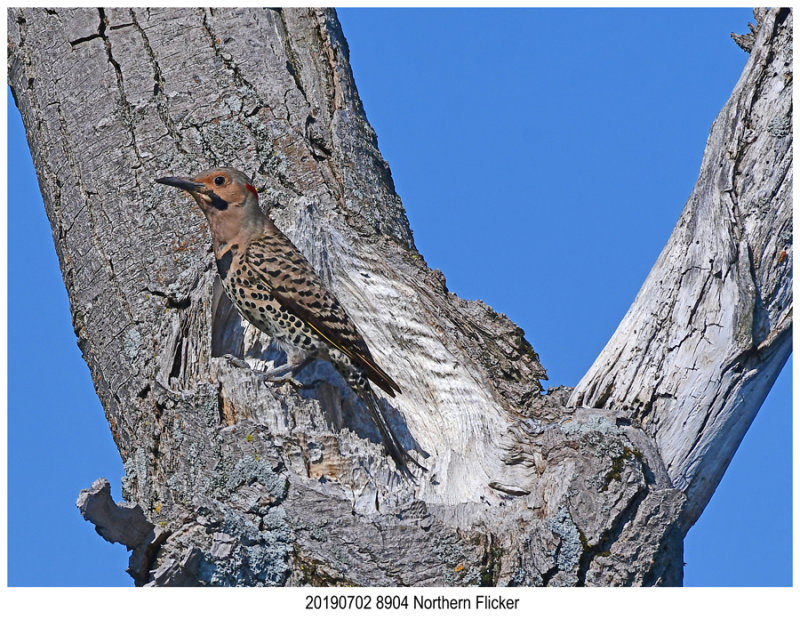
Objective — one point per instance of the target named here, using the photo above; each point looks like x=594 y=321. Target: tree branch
x=710 y=330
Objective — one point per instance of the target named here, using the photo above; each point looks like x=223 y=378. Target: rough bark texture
x=240 y=482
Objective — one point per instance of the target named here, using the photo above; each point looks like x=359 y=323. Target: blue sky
x=543 y=157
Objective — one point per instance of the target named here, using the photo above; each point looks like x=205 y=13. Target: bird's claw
x=282 y=380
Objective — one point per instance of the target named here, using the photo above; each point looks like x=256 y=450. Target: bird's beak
x=186 y=184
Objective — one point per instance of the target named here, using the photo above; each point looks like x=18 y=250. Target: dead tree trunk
x=231 y=481
x=711 y=328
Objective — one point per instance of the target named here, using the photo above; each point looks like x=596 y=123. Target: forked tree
x=233 y=480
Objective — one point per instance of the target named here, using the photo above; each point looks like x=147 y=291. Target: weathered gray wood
x=253 y=484
x=124 y=524
x=711 y=328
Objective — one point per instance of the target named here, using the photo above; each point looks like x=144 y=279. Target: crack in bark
x=172 y=301
x=291 y=62
x=123 y=99
x=159 y=95
x=91 y=37
x=333 y=89
x=609 y=536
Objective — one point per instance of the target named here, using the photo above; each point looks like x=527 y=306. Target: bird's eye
x=219 y=180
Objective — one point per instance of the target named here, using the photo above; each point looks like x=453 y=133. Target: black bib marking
x=224 y=263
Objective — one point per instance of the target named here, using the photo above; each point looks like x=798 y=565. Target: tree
x=237 y=482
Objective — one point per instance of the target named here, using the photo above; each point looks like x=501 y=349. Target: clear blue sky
x=543 y=157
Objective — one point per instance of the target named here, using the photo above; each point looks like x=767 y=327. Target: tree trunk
x=233 y=481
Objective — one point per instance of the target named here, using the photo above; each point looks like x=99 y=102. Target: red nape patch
x=252 y=189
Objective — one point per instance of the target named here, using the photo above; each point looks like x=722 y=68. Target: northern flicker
x=276 y=289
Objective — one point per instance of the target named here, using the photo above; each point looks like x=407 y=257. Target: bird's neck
x=236 y=228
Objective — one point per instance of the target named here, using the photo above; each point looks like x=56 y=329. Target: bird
x=276 y=289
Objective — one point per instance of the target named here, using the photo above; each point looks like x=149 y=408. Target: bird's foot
x=286 y=368
x=284 y=380
x=286 y=373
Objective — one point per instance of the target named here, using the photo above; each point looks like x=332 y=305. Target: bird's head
x=228 y=199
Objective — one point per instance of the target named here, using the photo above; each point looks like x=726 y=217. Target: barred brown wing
x=293 y=282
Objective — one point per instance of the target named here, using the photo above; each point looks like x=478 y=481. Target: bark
x=239 y=482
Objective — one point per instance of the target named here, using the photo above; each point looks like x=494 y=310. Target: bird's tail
x=393 y=446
